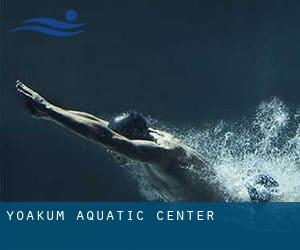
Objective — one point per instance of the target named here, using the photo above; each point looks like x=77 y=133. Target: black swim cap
x=132 y=125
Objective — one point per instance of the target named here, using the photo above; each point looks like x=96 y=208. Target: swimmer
x=129 y=136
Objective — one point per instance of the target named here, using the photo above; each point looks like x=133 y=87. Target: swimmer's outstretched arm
x=95 y=129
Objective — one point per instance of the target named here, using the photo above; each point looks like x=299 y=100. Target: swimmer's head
x=132 y=125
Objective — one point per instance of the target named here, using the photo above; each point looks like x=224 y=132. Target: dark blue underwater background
x=182 y=62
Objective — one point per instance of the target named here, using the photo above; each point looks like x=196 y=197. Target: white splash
x=268 y=142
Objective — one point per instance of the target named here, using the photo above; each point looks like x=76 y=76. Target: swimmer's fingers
x=37 y=102
x=28 y=93
x=23 y=89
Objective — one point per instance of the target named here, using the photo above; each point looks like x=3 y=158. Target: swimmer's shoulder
x=185 y=155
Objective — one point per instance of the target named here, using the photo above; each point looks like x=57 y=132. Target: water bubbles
x=267 y=142
x=259 y=144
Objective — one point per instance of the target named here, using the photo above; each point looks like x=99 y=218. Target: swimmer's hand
x=35 y=103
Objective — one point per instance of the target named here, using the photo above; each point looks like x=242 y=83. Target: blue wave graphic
x=53 y=23
x=47 y=31
x=55 y=27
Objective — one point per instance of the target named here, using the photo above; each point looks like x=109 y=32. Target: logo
x=53 y=27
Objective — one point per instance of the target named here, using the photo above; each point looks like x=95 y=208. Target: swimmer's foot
x=34 y=103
